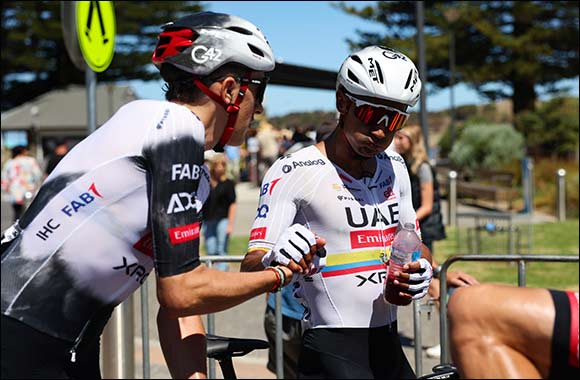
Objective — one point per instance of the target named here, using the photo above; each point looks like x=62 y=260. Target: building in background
x=58 y=114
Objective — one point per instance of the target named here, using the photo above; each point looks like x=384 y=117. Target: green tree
x=487 y=146
x=500 y=45
x=34 y=57
x=552 y=129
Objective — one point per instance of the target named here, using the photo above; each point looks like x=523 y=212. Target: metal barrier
x=209 y=261
x=521 y=259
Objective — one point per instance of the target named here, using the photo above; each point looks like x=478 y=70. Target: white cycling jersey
x=125 y=199
x=358 y=219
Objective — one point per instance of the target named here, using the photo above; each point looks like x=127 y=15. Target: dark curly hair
x=180 y=86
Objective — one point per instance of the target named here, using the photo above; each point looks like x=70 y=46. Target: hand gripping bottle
x=406 y=247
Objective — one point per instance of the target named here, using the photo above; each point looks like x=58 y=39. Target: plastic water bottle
x=406 y=247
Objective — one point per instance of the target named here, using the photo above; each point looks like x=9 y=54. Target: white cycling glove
x=293 y=244
x=424 y=279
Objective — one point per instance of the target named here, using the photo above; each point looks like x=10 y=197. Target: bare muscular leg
x=499 y=331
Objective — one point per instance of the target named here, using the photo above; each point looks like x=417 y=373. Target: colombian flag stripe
x=353 y=257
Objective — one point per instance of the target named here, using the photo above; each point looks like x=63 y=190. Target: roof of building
x=66 y=109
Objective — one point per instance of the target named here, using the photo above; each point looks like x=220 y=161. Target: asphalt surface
x=246 y=320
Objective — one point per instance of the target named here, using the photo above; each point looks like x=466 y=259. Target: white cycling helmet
x=202 y=42
x=381 y=72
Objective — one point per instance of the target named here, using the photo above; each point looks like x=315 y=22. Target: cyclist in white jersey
x=347 y=190
x=127 y=199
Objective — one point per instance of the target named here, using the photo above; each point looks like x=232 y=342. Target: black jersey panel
x=50 y=298
x=176 y=170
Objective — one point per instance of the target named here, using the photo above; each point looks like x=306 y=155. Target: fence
x=492 y=232
x=120 y=361
x=521 y=260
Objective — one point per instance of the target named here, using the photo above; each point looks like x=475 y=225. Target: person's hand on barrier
x=295 y=249
x=459 y=278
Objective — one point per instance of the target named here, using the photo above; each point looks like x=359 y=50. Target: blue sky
x=313 y=34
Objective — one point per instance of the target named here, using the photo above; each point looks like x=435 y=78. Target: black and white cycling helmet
x=383 y=73
x=202 y=42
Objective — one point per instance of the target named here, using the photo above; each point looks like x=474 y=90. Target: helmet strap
x=231 y=108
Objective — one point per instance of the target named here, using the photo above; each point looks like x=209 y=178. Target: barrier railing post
x=117 y=344
x=418 y=337
x=145 y=330
x=443 y=325
x=279 y=342
x=210 y=330
x=561 y=202
x=521 y=273
x=452 y=204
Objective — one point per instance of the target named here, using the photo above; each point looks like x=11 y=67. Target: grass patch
x=547 y=239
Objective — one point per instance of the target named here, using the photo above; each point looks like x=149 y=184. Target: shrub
x=487 y=146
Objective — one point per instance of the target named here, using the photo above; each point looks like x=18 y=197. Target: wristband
x=278 y=283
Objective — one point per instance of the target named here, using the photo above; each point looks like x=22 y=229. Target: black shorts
x=565 y=336
x=354 y=353
x=30 y=354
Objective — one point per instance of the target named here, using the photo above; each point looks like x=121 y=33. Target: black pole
x=452 y=86
x=422 y=73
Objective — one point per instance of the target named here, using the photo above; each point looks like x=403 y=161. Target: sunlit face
x=366 y=140
x=218 y=168
x=251 y=105
x=402 y=143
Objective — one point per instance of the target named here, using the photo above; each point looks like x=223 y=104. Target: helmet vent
x=408 y=79
x=240 y=30
x=255 y=50
x=356 y=58
x=352 y=77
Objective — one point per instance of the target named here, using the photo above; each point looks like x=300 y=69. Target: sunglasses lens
x=392 y=120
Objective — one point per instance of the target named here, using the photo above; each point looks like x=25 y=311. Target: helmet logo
x=393 y=54
x=201 y=54
x=375 y=71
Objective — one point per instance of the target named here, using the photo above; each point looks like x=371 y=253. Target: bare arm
x=231 y=218
x=252 y=261
x=183 y=344
x=203 y=290
x=426 y=200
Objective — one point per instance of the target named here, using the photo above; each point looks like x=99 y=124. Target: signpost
x=89 y=34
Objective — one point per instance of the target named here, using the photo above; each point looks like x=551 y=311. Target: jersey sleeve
x=277 y=207
x=173 y=152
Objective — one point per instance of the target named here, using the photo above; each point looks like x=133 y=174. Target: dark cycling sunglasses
x=377 y=114
x=261 y=87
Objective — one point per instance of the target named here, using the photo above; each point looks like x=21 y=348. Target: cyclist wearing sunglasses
x=127 y=199
x=354 y=195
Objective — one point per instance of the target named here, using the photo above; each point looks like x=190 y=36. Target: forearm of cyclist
x=203 y=290
x=183 y=344
x=253 y=261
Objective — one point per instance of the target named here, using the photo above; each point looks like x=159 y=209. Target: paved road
x=246 y=320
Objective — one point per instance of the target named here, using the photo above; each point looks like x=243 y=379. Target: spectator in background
x=60 y=150
x=426 y=202
x=268 y=140
x=219 y=211
x=21 y=177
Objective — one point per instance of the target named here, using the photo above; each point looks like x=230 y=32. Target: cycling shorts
x=354 y=353
x=565 y=336
x=30 y=354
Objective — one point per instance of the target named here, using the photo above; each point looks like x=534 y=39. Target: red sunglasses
x=377 y=114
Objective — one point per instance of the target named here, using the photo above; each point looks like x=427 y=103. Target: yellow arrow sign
x=96 y=33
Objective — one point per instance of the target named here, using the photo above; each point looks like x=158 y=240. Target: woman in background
x=219 y=210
